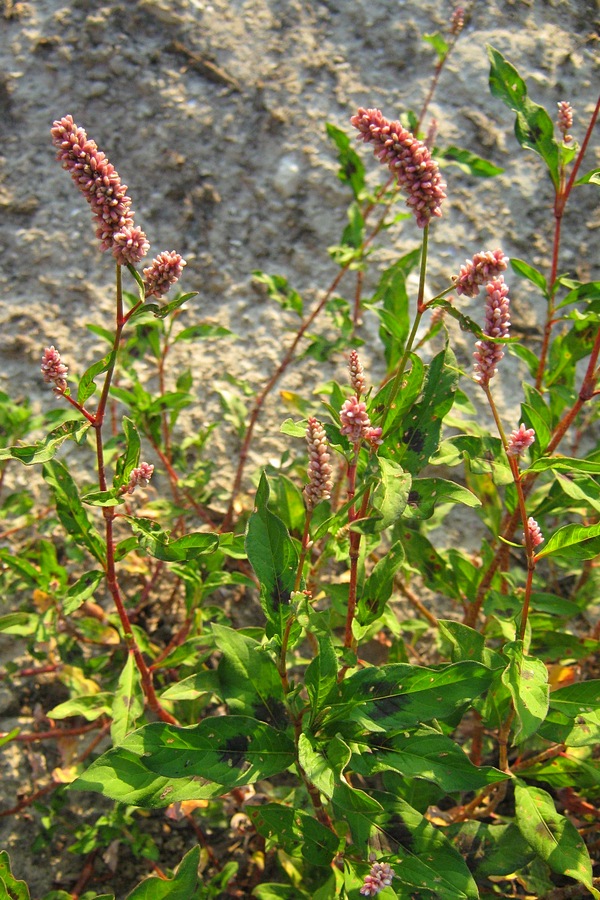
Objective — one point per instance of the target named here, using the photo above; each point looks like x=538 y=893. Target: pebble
x=286 y=179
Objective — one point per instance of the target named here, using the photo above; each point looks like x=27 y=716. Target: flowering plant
x=355 y=751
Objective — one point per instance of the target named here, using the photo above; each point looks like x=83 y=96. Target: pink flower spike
x=535 y=533
x=319 y=467
x=457 y=20
x=164 y=271
x=379 y=877
x=497 y=324
x=355 y=419
x=483 y=267
x=565 y=120
x=357 y=376
x=53 y=370
x=100 y=184
x=409 y=160
x=140 y=477
x=373 y=436
x=519 y=441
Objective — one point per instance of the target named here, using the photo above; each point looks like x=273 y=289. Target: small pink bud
x=164 y=271
x=140 y=477
x=535 y=533
x=520 y=439
x=53 y=370
x=357 y=376
x=379 y=877
x=565 y=120
x=355 y=419
x=497 y=324
x=457 y=20
x=483 y=267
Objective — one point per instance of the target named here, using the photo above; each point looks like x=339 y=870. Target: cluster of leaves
x=467 y=763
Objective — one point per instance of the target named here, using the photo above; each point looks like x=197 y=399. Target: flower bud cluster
x=457 y=20
x=355 y=419
x=357 y=375
x=100 y=184
x=519 y=440
x=140 y=477
x=497 y=325
x=319 y=467
x=565 y=120
x=483 y=267
x=379 y=877
x=408 y=158
x=163 y=272
x=53 y=369
x=535 y=533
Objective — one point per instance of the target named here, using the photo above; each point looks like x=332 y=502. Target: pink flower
x=357 y=376
x=373 y=436
x=483 y=267
x=520 y=439
x=140 y=477
x=319 y=468
x=409 y=160
x=497 y=325
x=53 y=370
x=457 y=20
x=379 y=877
x=100 y=184
x=565 y=120
x=535 y=533
x=355 y=420
x=164 y=271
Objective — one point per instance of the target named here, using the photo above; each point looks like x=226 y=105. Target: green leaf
x=315 y=764
x=392 y=493
x=81 y=591
x=273 y=557
x=574 y=542
x=128 y=704
x=565 y=464
x=577 y=699
x=426 y=493
x=527 y=680
x=44 y=450
x=534 y=128
x=491 y=850
x=87 y=385
x=552 y=836
x=427 y=754
x=591 y=177
x=399 y=695
x=527 y=355
x=421 y=427
x=227 y=750
x=438 y=43
x=184 y=885
x=202 y=331
x=352 y=170
x=70 y=509
x=249 y=681
x=279 y=290
x=425 y=860
x=468 y=162
x=530 y=273
x=295 y=830
x=90 y=706
x=198 y=685
x=321 y=674
x=131 y=458
x=378 y=587
x=288 y=501
x=13 y=888
x=19 y=623
x=588 y=291
x=392 y=292
x=157 y=543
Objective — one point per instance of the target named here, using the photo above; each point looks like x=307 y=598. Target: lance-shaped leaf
x=70 y=510
x=87 y=384
x=427 y=754
x=426 y=493
x=352 y=170
x=227 y=750
x=399 y=695
x=128 y=703
x=530 y=273
x=527 y=680
x=425 y=858
x=315 y=764
x=321 y=675
x=468 y=162
x=391 y=495
x=534 y=128
x=182 y=886
x=574 y=542
x=131 y=458
x=566 y=464
x=419 y=431
x=394 y=314
x=13 y=889
x=44 y=450
x=249 y=681
x=273 y=557
x=377 y=589
x=157 y=543
x=553 y=837
x=82 y=590
x=410 y=389
x=292 y=830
